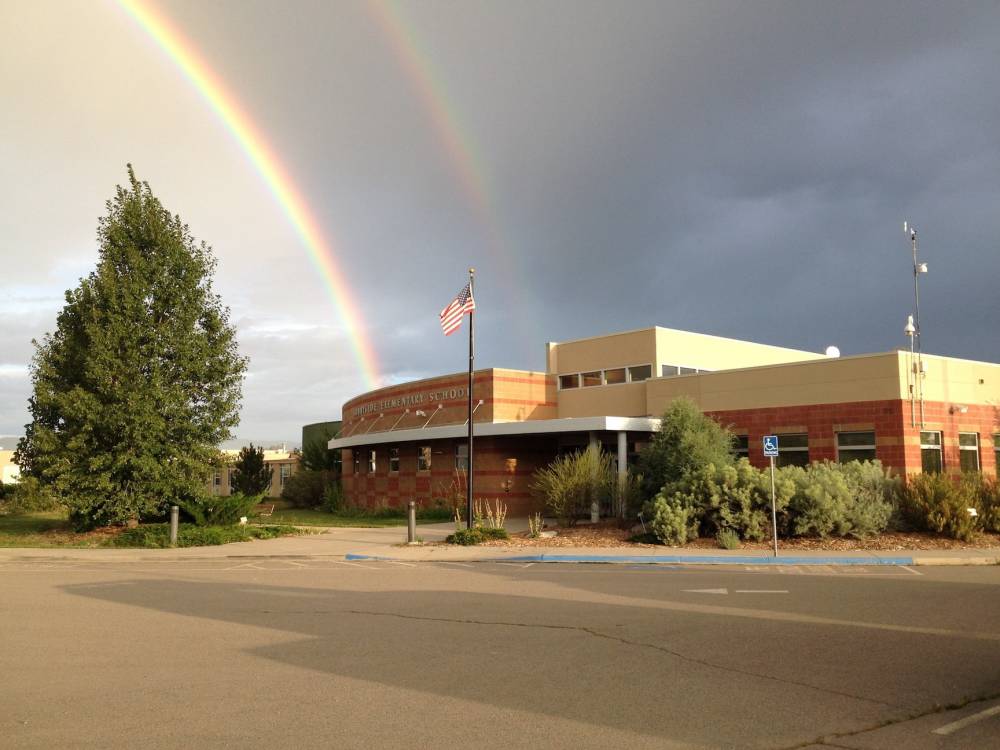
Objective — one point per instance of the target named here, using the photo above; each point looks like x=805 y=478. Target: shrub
x=674 y=521
x=476 y=535
x=27 y=496
x=989 y=504
x=686 y=441
x=333 y=497
x=939 y=503
x=157 y=535
x=306 y=488
x=872 y=492
x=572 y=483
x=832 y=499
x=728 y=539
x=219 y=510
x=726 y=497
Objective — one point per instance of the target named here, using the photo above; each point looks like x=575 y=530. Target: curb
x=694 y=560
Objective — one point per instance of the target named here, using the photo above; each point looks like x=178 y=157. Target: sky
x=738 y=169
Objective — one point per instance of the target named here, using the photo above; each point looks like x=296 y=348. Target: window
x=640 y=373
x=356 y=454
x=968 y=451
x=793 y=450
x=930 y=452
x=462 y=457
x=741 y=446
x=613 y=377
x=286 y=471
x=591 y=378
x=569 y=381
x=230 y=477
x=424 y=458
x=394 y=459
x=371 y=461
x=216 y=482
x=669 y=370
x=855 y=446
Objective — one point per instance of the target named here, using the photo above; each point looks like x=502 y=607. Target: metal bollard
x=411 y=522
x=175 y=514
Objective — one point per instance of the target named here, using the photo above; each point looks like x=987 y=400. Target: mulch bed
x=609 y=535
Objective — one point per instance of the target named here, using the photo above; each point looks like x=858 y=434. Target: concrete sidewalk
x=388 y=544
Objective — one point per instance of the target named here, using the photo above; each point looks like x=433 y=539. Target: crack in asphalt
x=937 y=709
x=624 y=641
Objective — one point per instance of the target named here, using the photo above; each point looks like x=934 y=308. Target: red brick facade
x=897 y=440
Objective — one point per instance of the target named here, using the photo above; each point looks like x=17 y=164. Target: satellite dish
x=832 y=351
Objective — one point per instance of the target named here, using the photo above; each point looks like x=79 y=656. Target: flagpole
x=472 y=356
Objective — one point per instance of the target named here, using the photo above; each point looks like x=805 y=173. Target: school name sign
x=414 y=399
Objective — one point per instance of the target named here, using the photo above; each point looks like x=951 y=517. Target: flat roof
x=490 y=429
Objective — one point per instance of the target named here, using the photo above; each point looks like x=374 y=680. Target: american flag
x=451 y=316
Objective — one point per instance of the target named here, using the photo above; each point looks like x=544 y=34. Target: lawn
x=43 y=529
x=351 y=518
x=52 y=529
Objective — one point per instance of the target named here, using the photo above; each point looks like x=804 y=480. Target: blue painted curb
x=672 y=559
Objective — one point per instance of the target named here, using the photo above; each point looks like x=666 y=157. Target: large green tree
x=141 y=379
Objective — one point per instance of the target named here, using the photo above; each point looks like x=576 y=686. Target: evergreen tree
x=251 y=476
x=687 y=440
x=317 y=457
x=141 y=379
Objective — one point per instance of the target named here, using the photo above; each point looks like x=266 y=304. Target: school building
x=408 y=441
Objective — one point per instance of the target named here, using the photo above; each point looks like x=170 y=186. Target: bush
x=476 y=535
x=219 y=510
x=937 y=502
x=728 y=497
x=873 y=492
x=333 y=497
x=307 y=488
x=728 y=539
x=989 y=504
x=157 y=535
x=674 y=521
x=572 y=483
x=686 y=441
x=27 y=496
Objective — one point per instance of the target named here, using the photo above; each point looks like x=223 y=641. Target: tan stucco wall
x=658 y=346
x=622 y=400
x=718 y=353
x=827 y=381
x=602 y=352
x=960 y=382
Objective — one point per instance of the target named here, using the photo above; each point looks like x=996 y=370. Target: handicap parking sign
x=770 y=445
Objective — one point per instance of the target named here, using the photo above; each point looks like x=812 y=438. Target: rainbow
x=465 y=159
x=321 y=251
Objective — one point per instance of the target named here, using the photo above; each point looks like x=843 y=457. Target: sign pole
x=771 y=452
x=774 y=511
x=472 y=356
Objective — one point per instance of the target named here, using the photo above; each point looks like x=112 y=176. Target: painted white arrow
x=737 y=591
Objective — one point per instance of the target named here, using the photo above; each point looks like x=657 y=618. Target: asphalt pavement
x=320 y=651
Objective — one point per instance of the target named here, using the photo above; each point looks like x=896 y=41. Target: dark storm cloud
x=741 y=169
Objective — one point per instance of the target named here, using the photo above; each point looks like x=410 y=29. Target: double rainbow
x=321 y=250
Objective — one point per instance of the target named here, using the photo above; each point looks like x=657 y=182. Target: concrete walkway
x=389 y=544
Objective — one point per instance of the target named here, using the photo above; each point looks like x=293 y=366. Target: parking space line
x=968 y=720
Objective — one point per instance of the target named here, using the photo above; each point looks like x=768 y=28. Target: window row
x=366 y=460
x=931 y=456
x=793 y=449
x=667 y=371
x=613 y=376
